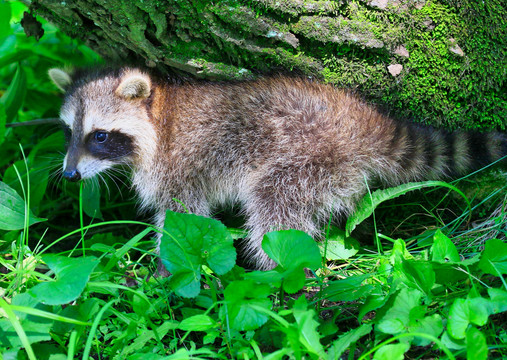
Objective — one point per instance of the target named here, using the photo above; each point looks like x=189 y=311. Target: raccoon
x=289 y=150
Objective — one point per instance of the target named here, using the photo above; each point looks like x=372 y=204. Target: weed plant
x=78 y=277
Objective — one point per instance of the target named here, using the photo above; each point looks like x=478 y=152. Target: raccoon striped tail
x=439 y=154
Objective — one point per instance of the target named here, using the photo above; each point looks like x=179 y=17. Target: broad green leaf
x=14 y=96
x=466 y=311
x=479 y=310
x=307 y=327
x=348 y=289
x=239 y=296
x=399 y=252
x=368 y=204
x=345 y=340
x=477 y=347
x=447 y=273
x=197 y=323
x=443 y=249
x=494 y=257
x=5 y=17
x=394 y=316
x=391 y=352
x=292 y=250
x=16 y=56
x=418 y=275
x=49 y=145
x=452 y=343
x=3 y=120
x=337 y=246
x=186 y=282
x=272 y=277
x=12 y=210
x=36 y=328
x=72 y=274
x=458 y=319
x=190 y=241
x=91 y=199
x=38 y=173
x=498 y=301
x=431 y=325
x=371 y=303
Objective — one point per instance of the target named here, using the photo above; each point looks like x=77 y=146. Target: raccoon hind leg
x=283 y=198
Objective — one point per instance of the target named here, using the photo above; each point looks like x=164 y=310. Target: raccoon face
x=106 y=120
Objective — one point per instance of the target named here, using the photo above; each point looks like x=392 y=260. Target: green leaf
x=477 y=347
x=348 y=289
x=14 y=96
x=186 y=282
x=337 y=246
x=394 y=316
x=190 y=241
x=147 y=335
x=498 y=301
x=3 y=120
x=5 y=17
x=418 y=275
x=494 y=257
x=452 y=343
x=447 y=273
x=239 y=296
x=431 y=325
x=91 y=200
x=12 y=210
x=197 y=323
x=443 y=249
x=458 y=319
x=72 y=274
x=368 y=204
x=272 y=277
x=16 y=56
x=307 y=327
x=292 y=250
x=466 y=311
x=371 y=303
x=38 y=172
x=391 y=352
x=36 y=328
x=346 y=340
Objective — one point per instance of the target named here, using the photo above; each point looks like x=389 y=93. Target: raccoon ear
x=134 y=85
x=60 y=78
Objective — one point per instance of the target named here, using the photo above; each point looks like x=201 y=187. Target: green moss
x=436 y=86
x=221 y=71
x=443 y=88
x=348 y=44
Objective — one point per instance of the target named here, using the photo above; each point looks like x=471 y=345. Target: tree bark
x=376 y=46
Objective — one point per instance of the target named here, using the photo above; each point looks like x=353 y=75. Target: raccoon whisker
x=120 y=176
x=101 y=178
x=108 y=173
x=122 y=171
x=55 y=179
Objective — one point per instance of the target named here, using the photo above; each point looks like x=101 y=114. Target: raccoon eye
x=101 y=136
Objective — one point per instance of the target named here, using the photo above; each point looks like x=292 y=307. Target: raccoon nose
x=72 y=175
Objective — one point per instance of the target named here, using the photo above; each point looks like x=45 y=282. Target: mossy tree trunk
x=437 y=61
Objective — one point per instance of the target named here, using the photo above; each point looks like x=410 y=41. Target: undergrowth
x=78 y=277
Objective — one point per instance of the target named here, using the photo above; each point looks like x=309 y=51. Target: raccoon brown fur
x=290 y=151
